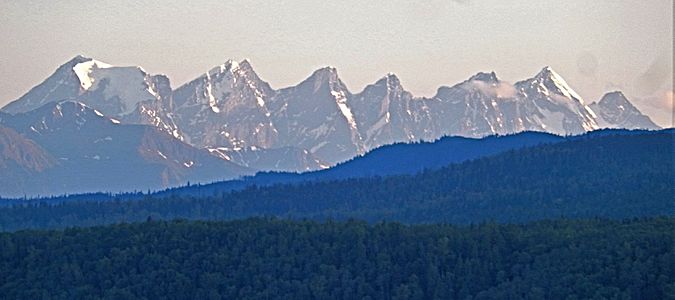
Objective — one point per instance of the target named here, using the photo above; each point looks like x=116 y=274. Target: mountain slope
x=615 y=111
x=559 y=109
x=413 y=158
x=397 y=159
x=314 y=115
x=606 y=176
x=386 y=113
x=321 y=116
x=129 y=94
x=20 y=160
x=232 y=112
x=289 y=159
x=62 y=84
x=97 y=153
x=226 y=107
x=484 y=105
x=22 y=152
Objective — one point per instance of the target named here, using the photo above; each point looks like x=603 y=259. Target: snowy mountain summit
x=129 y=94
x=557 y=108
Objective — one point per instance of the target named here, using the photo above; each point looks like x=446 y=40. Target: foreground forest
x=613 y=176
x=262 y=258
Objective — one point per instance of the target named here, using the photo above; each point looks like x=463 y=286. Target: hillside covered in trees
x=268 y=258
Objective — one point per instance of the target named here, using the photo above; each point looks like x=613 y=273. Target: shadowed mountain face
x=90 y=152
x=20 y=160
x=22 y=153
x=615 y=111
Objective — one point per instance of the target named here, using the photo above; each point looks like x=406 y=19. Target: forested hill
x=265 y=259
x=400 y=159
x=396 y=159
x=614 y=176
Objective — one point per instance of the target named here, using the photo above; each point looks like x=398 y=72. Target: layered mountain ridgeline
x=612 y=176
x=396 y=159
x=232 y=112
x=66 y=147
x=267 y=258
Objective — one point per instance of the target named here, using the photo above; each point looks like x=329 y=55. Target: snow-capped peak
x=122 y=88
x=550 y=81
x=229 y=66
x=76 y=60
x=233 y=69
x=84 y=69
x=221 y=83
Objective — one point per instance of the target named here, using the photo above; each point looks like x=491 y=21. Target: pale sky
x=597 y=46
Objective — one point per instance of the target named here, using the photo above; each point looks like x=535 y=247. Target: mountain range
x=229 y=122
x=611 y=174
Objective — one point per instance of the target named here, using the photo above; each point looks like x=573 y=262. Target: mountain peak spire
x=79 y=58
x=546 y=72
x=485 y=77
x=327 y=73
x=390 y=79
x=552 y=81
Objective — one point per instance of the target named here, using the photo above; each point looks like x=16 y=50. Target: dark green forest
x=614 y=176
x=582 y=219
x=264 y=258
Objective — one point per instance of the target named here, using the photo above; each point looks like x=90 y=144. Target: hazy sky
x=597 y=46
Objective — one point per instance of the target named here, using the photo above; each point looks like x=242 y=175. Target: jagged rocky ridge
x=237 y=116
